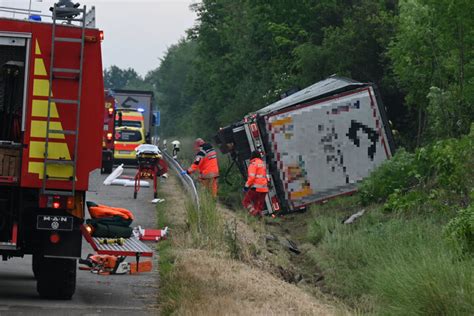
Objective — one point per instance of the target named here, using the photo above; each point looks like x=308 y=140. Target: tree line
x=242 y=54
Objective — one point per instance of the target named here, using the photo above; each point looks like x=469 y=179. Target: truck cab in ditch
x=318 y=143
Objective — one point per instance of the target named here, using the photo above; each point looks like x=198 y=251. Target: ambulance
x=129 y=134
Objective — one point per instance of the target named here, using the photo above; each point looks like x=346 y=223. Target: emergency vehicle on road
x=129 y=134
x=108 y=140
x=51 y=112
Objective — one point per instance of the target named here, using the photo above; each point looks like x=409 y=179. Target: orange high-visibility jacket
x=257 y=176
x=206 y=162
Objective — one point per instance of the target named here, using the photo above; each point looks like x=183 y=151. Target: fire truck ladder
x=64 y=15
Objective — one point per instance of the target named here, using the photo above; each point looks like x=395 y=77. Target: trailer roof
x=326 y=87
x=126 y=91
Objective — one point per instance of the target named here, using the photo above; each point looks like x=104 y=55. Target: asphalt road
x=95 y=295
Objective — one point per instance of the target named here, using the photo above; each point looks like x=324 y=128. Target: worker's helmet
x=198 y=143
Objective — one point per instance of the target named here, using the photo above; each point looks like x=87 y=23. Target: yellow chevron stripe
x=38 y=129
x=40 y=109
x=59 y=171
x=55 y=150
x=37 y=48
x=41 y=88
x=40 y=69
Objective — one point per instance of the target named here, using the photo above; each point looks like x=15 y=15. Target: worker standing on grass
x=256 y=187
x=206 y=163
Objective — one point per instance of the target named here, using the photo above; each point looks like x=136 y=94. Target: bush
x=446 y=164
x=413 y=201
x=396 y=174
x=460 y=230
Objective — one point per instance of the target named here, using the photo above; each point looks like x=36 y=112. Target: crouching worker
x=256 y=187
x=206 y=163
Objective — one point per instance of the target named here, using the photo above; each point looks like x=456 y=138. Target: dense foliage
x=445 y=164
x=242 y=55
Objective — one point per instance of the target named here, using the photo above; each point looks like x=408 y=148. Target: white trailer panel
x=324 y=148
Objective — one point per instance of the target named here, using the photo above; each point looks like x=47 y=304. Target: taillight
x=70 y=203
x=275 y=204
x=54 y=238
x=57 y=202
x=89 y=228
x=254 y=130
x=111 y=111
x=109 y=136
x=101 y=34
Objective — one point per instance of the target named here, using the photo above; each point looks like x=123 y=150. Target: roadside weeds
x=216 y=262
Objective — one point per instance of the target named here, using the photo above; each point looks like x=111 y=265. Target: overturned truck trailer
x=318 y=143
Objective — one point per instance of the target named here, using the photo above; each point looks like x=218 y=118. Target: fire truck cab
x=51 y=116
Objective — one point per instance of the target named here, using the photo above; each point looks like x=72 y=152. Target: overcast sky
x=137 y=32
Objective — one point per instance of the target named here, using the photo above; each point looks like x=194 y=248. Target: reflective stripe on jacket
x=206 y=162
x=257 y=175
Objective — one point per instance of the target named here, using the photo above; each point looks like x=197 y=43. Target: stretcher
x=150 y=166
x=131 y=247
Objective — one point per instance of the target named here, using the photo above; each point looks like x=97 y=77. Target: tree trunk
x=420 y=126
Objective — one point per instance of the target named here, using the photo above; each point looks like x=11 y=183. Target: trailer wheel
x=56 y=278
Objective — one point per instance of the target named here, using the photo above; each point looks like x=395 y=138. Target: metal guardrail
x=186 y=179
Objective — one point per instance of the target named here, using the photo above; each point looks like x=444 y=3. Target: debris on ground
x=155 y=201
x=114 y=175
x=354 y=217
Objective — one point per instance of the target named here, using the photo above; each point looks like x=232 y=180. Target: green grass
x=170 y=289
x=390 y=263
x=205 y=224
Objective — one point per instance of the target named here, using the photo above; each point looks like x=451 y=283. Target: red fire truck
x=108 y=133
x=51 y=112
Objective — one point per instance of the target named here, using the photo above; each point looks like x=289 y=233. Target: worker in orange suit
x=256 y=187
x=206 y=163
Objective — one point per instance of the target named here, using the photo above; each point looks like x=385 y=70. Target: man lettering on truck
x=256 y=187
x=206 y=163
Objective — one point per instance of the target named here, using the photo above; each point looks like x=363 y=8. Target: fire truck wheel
x=35 y=265
x=108 y=167
x=56 y=278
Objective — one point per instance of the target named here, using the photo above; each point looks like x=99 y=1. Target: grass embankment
x=412 y=252
x=214 y=264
